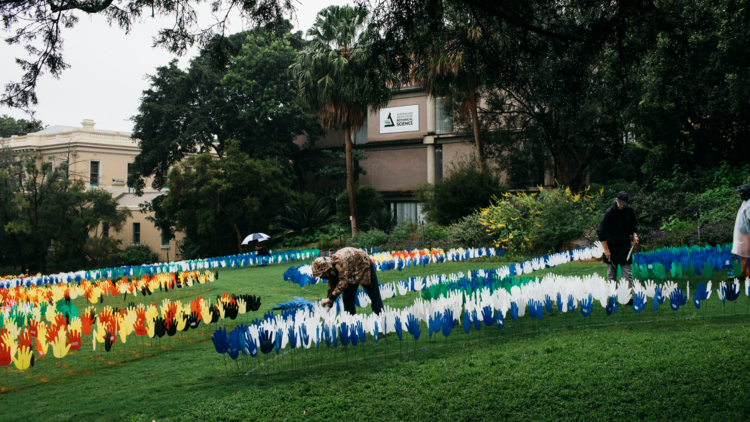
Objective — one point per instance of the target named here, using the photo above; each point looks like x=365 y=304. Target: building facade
x=409 y=142
x=102 y=159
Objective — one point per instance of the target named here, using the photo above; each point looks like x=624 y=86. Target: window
x=105 y=229
x=443 y=120
x=94 y=173
x=164 y=239
x=361 y=136
x=130 y=173
x=407 y=211
x=136 y=233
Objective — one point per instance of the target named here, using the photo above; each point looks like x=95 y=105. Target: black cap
x=622 y=198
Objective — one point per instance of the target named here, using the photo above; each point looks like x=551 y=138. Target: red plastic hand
x=74 y=339
x=24 y=339
x=5 y=357
x=87 y=320
x=34 y=327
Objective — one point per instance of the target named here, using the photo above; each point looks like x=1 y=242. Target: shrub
x=102 y=252
x=467 y=187
x=369 y=239
x=134 y=255
x=368 y=200
x=469 y=232
x=304 y=217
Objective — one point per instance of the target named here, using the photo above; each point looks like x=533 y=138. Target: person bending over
x=741 y=243
x=345 y=271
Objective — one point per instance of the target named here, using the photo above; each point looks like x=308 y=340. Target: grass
x=686 y=365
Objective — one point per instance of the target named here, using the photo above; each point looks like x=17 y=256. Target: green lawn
x=688 y=365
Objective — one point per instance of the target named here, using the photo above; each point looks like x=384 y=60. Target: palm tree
x=451 y=63
x=338 y=80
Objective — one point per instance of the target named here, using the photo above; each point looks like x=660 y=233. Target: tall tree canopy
x=334 y=81
x=45 y=218
x=10 y=126
x=39 y=25
x=217 y=202
x=240 y=91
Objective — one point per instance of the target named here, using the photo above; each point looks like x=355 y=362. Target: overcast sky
x=108 y=69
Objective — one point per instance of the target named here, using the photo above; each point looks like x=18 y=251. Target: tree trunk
x=350 y=179
x=239 y=238
x=475 y=118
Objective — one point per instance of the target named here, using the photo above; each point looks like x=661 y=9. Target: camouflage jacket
x=353 y=267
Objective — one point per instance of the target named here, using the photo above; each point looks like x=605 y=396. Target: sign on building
x=399 y=119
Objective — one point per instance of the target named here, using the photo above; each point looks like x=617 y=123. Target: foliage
x=694 y=84
x=336 y=168
x=32 y=21
x=467 y=187
x=46 y=217
x=217 y=202
x=103 y=251
x=469 y=232
x=333 y=82
x=134 y=255
x=368 y=200
x=10 y=126
x=382 y=219
x=247 y=97
x=541 y=221
x=305 y=216
x=369 y=239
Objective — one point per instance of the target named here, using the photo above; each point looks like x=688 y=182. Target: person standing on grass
x=741 y=244
x=345 y=271
x=614 y=231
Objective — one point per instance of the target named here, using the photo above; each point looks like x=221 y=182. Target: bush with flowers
x=543 y=221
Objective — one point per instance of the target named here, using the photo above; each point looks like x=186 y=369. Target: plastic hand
x=234 y=344
x=25 y=358
x=41 y=346
x=242 y=306
x=5 y=356
x=24 y=339
x=74 y=339
x=221 y=341
x=399 y=328
x=344 y=334
x=60 y=348
x=412 y=325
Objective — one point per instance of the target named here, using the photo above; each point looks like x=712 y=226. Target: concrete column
x=431 y=115
x=431 y=163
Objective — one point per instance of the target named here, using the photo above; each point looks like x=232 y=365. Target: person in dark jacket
x=614 y=231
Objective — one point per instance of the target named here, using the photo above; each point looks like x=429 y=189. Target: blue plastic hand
x=292 y=335
x=658 y=295
x=548 y=304
x=221 y=342
x=277 y=343
x=487 y=316
x=266 y=345
x=675 y=299
x=234 y=344
x=559 y=303
x=448 y=322
x=304 y=338
x=514 y=311
x=731 y=293
x=399 y=329
x=587 y=305
x=437 y=321
x=375 y=332
x=412 y=325
x=467 y=322
x=571 y=304
x=610 y=305
x=361 y=332
x=352 y=336
x=477 y=322
x=334 y=337
x=500 y=320
x=639 y=301
x=344 y=333
x=252 y=347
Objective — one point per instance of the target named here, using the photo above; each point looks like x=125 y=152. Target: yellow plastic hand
x=124 y=332
x=220 y=305
x=13 y=329
x=41 y=346
x=99 y=333
x=241 y=303
x=181 y=321
x=59 y=348
x=10 y=341
x=24 y=358
x=151 y=328
x=41 y=331
x=75 y=324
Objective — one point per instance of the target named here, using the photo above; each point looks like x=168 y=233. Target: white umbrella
x=256 y=237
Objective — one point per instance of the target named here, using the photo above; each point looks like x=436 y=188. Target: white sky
x=108 y=68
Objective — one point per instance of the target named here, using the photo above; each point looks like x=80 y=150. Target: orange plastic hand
x=24 y=339
x=41 y=346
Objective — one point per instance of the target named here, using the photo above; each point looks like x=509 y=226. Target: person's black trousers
x=373 y=291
